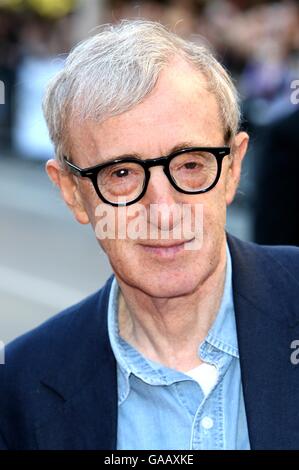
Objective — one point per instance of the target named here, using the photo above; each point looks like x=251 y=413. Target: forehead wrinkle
x=182 y=145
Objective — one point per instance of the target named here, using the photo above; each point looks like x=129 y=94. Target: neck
x=170 y=330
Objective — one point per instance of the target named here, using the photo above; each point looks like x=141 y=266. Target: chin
x=167 y=291
x=163 y=283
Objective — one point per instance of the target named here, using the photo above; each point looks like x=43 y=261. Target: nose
x=159 y=189
x=162 y=201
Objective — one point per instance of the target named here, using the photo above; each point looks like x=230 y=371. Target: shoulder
x=283 y=253
x=61 y=329
x=287 y=256
x=273 y=261
x=266 y=278
x=57 y=342
x=48 y=364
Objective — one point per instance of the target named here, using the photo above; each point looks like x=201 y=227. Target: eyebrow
x=138 y=156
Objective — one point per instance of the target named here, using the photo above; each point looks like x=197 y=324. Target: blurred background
x=47 y=260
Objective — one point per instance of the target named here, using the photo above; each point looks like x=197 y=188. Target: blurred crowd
x=258 y=41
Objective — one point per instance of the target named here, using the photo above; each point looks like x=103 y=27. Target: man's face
x=179 y=110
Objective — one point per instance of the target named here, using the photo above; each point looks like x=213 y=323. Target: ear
x=69 y=190
x=238 y=150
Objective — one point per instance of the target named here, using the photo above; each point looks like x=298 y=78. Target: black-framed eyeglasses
x=124 y=181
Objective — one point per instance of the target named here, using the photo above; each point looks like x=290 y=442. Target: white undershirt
x=205 y=375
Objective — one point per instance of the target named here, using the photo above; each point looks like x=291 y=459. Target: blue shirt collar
x=223 y=333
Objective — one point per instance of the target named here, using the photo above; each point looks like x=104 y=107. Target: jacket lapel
x=266 y=299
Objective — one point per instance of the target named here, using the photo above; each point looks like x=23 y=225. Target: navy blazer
x=58 y=388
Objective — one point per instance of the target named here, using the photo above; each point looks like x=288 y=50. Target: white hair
x=114 y=70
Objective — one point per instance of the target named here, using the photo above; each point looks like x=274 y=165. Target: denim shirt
x=162 y=408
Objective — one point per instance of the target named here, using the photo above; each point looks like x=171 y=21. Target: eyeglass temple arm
x=73 y=168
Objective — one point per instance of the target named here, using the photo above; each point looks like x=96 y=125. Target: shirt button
x=207 y=422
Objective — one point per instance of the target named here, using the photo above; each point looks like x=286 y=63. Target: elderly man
x=189 y=344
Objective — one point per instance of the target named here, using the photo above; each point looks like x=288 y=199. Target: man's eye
x=191 y=165
x=120 y=173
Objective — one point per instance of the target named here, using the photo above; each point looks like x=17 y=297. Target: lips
x=167 y=249
x=169 y=244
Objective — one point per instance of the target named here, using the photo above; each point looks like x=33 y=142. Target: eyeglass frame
x=93 y=171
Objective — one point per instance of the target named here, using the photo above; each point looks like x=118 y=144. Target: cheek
x=214 y=215
x=214 y=211
x=94 y=207
x=110 y=230
x=112 y=248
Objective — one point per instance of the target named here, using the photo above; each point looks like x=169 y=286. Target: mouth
x=167 y=249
